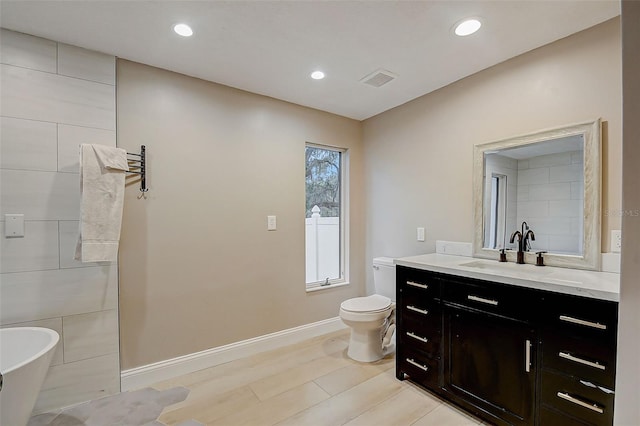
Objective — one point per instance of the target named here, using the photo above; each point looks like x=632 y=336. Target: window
x=325 y=219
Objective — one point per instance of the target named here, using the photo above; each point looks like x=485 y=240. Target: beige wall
x=418 y=156
x=627 y=410
x=198 y=267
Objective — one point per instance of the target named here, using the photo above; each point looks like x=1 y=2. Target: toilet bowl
x=372 y=318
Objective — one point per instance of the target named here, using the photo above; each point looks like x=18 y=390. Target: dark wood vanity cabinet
x=510 y=355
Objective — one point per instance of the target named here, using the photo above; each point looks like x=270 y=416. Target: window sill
x=325 y=287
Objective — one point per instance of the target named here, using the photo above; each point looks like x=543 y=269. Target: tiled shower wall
x=551 y=198
x=53 y=98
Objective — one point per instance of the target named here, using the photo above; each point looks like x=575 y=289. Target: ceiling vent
x=378 y=78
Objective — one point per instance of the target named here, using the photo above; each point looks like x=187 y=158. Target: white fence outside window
x=322 y=239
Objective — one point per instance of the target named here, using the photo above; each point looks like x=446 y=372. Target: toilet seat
x=369 y=304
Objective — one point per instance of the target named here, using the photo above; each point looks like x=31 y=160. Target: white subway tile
x=577 y=157
x=40 y=195
x=28 y=144
x=90 y=335
x=570 y=173
x=577 y=190
x=27 y=51
x=533 y=208
x=51 y=323
x=550 y=225
x=42 y=96
x=541 y=243
x=80 y=381
x=533 y=176
x=69 y=140
x=28 y=296
x=565 y=208
x=86 y=64
x=550 y=160
x=523 y=193
x=555 y=191
x=37 y=250
x=567 y=244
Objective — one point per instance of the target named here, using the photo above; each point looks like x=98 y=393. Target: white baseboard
x=146 y=375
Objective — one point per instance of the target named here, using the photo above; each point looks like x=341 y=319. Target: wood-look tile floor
x=307 y=384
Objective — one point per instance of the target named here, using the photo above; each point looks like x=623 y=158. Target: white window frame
x=343 y=279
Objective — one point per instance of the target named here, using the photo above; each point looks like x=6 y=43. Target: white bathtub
x=25 y=355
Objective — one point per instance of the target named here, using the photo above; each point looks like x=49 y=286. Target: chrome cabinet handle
x=482 y=300
x=415 y=284
x=415 y=336
x=570 y=357
x=593 y=407
x=421 y=311
x=527 y=356
x=583 y=322
x=420 y=366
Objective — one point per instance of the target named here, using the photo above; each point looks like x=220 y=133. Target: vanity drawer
x=588 y=359
x=421 y=335
x=416 y=306
x=582 y=317
x=551 y=417
x=420 y=368
x=579 y=399
x=417 y=281
x=514 y=302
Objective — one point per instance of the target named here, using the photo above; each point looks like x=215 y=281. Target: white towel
x=102 y=178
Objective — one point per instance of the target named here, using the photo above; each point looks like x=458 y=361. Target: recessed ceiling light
x=183 y=29
x=468 y=27
x=317 y=75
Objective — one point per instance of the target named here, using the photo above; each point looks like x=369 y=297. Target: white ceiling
x=270 y=47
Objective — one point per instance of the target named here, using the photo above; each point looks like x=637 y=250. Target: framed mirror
x=547 y=182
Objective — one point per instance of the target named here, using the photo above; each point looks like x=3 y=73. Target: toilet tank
x=384 y=277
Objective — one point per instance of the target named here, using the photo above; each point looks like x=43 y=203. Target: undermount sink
x=499 y=266
x=478 y=264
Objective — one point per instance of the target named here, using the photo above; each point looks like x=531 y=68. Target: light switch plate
x=271 y=223
x=14 y=225
x=420 y=234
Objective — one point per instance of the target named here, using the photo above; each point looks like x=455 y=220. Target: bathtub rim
x=55 y=338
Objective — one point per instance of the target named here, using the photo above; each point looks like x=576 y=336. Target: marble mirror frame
x=590 y=258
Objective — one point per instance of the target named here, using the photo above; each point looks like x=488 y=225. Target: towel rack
x=139 y=166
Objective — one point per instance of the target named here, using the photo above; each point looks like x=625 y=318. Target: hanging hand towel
x=102 y=177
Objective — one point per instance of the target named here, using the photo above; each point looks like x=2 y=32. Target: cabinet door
x=491 y=364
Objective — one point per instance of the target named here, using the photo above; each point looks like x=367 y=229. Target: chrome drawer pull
x=421 y=367
x=415 y=284
x=570 y=357
x=421 y=311
x=422 y=339
x=480 y=299
x=583 y=322
x=527 y=356
x=591 y=385
x=593 y=407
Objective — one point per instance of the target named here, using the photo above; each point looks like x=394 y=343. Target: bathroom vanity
x=512 y=344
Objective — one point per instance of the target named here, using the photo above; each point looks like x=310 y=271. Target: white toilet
x=372 y=318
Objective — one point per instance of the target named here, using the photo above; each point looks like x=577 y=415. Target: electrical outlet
x=420 y=234
x=616 y=241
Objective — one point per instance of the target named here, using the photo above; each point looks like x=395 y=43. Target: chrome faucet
x=523 y=237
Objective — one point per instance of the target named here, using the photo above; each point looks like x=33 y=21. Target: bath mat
x=134 y=408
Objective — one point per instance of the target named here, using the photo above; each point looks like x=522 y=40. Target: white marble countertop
x=597 y=285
